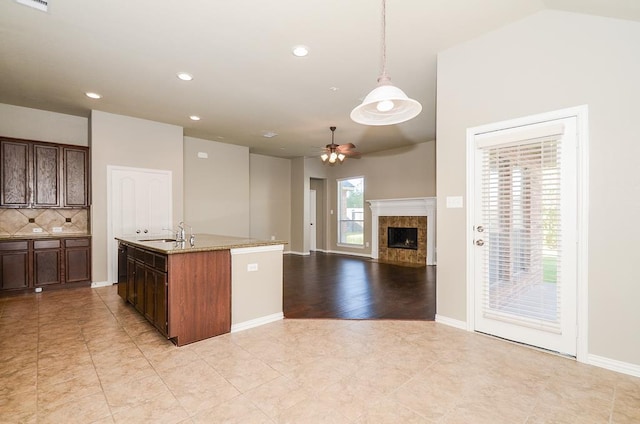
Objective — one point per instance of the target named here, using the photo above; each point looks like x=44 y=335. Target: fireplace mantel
x=416 y=206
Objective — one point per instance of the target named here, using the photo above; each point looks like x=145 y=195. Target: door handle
x=480 y=242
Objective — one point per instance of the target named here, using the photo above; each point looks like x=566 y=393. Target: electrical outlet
x=252 y=267
x=57 y=229
x=37 y=230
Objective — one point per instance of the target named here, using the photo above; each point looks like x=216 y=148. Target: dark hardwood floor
x=325 y=285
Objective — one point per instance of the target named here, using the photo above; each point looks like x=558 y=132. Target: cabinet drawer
x=46 y=244
x=160 y=262
x=79 y=242
x=14 y=245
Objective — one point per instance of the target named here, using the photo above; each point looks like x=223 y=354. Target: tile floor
x=83 y=356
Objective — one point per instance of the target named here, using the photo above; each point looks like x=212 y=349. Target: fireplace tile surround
x=420 y=210
x=385 y=253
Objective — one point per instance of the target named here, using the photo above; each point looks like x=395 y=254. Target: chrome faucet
x=180 y=235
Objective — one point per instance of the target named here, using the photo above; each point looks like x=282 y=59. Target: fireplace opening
x=402 y=238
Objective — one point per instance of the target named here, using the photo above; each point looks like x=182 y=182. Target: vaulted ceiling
x=246 y=81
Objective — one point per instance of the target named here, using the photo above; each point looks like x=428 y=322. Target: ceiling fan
x=338 y=152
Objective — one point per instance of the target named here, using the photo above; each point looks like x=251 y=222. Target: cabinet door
x=150 y=294
x=46 y=267
x=46 y=175
x=131 y=277
x=140 y=277
x=15 y=173
x=78 y=265
x=122 y=271
x=76 y=176
x=14 y=270
x=160 y=318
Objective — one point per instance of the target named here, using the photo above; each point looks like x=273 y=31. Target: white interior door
x=312 y=220
x=139 y=204
x=525 y=234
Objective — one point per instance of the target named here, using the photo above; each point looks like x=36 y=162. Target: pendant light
x=386 y=104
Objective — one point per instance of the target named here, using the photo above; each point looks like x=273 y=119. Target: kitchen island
x=191 y=292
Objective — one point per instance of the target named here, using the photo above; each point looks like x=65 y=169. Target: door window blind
x=521 y=219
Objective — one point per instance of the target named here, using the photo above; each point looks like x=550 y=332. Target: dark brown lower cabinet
x=14 y=265
x=44 y=263
x=77 y=260
x=146 y=285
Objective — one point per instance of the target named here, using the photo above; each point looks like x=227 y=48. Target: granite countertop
x=203 y=243
x=36 y=236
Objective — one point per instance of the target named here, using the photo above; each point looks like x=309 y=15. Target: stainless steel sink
x=163 y=240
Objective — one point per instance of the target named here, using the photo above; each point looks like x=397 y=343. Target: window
x=351 y=211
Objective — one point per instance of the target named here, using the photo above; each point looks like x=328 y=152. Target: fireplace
x=418 y=212
x=402 y=238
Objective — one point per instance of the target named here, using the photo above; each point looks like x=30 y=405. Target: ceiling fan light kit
x=386 y=104
x=337 y=153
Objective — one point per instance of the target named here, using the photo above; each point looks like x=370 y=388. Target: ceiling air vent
x=36 y=4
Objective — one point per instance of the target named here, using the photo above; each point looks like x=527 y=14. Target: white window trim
x=347 y=245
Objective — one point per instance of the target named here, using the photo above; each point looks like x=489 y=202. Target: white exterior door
x=139 y=204
x=524 y=251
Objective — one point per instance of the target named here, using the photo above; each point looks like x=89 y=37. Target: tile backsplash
x=21 y=222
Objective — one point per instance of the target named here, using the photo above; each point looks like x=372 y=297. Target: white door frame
x=581 y=115
x=313 y=225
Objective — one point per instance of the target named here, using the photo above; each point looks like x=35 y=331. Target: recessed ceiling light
x=184 y=76
x=93 y=95
x=300 y=51
x=194 y=117
x=334 y=88
x=269 y=134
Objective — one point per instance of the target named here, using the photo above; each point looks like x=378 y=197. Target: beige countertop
x=37 y=236
x=203 y=243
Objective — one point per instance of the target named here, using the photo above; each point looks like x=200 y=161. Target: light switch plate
x=454 y=202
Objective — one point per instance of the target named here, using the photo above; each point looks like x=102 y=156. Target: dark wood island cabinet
x=187 y=297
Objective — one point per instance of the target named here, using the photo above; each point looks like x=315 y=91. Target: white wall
x=549 y=61
x=125 y=141
x=270 y=197
x=41 y=125
x=216 y=190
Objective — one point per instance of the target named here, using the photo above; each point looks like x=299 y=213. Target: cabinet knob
x=137 y=231
x=146 y=231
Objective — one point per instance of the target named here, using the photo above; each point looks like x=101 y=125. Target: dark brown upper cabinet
x=15 y=175
x=43 y=175
x=76 y=176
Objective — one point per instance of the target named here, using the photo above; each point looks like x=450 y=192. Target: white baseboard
x=339 y=252
x=101 y=284
x=291 y=252
x=256 y=322
x=614 y=365
x=462 y=325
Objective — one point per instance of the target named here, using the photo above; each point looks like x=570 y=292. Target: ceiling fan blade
x=345 y=147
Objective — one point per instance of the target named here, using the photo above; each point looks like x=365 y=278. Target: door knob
x=480 y=242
